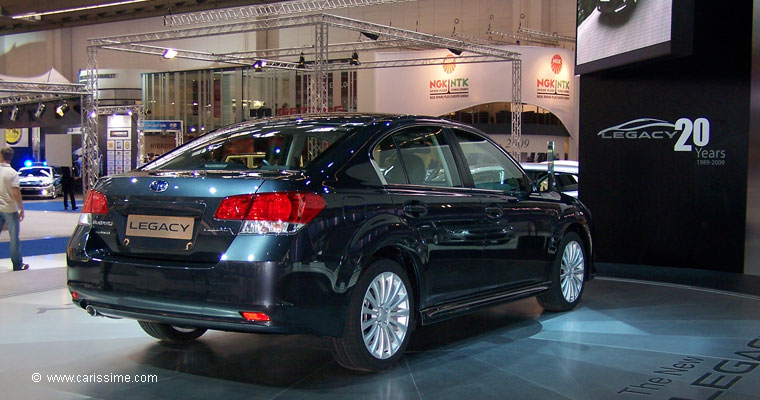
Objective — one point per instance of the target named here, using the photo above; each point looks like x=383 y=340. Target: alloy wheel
x=385 y=315
x=572 y=270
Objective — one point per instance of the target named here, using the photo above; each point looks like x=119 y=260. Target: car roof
x=35 y=167
x=359 y=119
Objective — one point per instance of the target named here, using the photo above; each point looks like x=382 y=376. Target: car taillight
x=284 y=212
x=94 y=203
x=234 y=207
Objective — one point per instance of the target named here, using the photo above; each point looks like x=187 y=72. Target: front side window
x=272 y=147
x=489 y=167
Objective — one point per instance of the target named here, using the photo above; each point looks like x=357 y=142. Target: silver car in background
x=565 y=175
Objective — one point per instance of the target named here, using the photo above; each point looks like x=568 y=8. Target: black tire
x=169 y=332
x=553 y=299
x=350 y=350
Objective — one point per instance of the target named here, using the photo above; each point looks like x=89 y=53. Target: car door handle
x=415 y=209
x=494 y=212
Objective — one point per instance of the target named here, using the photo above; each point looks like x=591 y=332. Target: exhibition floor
x=627 y=339
x=630 y=338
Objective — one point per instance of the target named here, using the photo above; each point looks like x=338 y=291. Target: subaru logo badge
x=159 y=186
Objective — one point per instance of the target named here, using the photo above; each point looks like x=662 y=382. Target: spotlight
x=14 y=113
x=301 y=62
x=170 y=53
x=258 y=65
x=61 y=109
x=39 y=111
x=1 y=111
x=372 y=36
x=456 y=52
x=354 y=59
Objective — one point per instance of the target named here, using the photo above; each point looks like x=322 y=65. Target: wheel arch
x=409 y=262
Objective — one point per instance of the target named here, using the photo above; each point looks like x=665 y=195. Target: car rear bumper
x=297 y=297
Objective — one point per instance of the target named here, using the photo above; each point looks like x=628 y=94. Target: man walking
x=11 y=207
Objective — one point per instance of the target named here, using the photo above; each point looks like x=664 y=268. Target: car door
x=518 y=224
x=422 y=177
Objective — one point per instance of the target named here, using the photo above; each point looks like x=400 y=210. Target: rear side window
x=424 y=154
x=273 y=147
x=489 y=167
x=387 y=159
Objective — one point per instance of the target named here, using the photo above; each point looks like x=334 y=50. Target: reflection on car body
x=354 y=227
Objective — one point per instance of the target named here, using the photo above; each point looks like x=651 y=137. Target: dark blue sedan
x=355 y=227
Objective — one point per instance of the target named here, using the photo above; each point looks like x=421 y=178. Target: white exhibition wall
x=548 y=81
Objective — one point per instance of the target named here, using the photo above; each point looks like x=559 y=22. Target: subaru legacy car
x=354 y=227
x=40 y=180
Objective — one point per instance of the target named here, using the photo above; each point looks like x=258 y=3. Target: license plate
x=157 y=226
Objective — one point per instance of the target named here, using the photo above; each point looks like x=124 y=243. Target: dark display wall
x=752 y=247
x=663 y=150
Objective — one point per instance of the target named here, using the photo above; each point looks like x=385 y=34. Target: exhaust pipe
x=93 y=312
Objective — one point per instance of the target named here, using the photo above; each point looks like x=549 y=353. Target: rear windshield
x=274 y=147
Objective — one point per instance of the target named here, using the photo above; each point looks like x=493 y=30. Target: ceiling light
x=33 y=15
x=39 y=111
x=14 y=113
x=301 y=62
x=456 y=52
x=372 y=36
x=354 y=59
x=61 y=109
x=170 y=53
x=258 y=65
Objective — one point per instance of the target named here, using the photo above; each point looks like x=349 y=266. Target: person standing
x=67 y=184
x=11 y=207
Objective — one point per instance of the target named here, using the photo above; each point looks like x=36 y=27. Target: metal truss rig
x=35 y=92
x=71 y=89
x=387 y=32
x=317 y=96
x=269 y=55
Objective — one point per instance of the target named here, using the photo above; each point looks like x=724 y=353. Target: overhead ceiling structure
x=17 y=16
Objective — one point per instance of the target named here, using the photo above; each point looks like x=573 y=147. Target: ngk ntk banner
x=548 y=81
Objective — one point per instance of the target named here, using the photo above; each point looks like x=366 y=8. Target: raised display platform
x=627 y=340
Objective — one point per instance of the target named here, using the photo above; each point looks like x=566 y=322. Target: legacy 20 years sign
x=688 y=136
